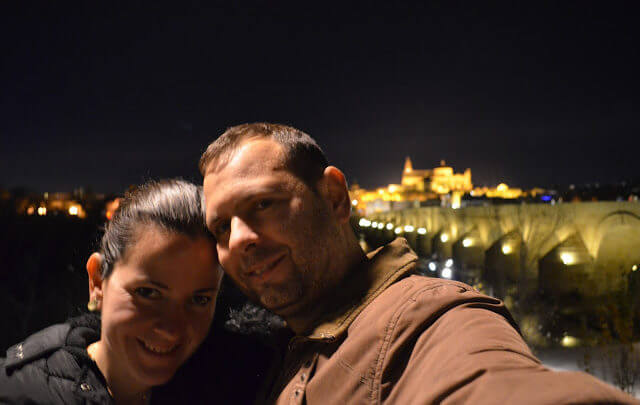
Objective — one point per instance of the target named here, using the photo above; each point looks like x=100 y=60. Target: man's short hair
x=304 y=158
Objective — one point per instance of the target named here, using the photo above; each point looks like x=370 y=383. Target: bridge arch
x=618 y=249
x=502 y=263
x=568 y=269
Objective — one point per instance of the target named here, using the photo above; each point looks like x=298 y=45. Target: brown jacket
x=409 y=339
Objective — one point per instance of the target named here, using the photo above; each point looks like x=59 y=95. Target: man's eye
x=221 y=228
x=201 y=300
x=263 y=204
x=147 y=292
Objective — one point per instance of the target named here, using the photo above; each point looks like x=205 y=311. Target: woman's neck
x=122 y=388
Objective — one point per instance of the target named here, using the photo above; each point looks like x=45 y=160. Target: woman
x=154 y=282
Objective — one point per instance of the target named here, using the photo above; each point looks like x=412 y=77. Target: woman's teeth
x=157 y=349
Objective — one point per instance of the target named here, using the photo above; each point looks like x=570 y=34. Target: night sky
x=104 y=95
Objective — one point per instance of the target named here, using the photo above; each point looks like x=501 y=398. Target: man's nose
x=243 y=237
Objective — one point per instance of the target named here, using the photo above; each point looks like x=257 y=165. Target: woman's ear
x=337 y=193
x=94 y=267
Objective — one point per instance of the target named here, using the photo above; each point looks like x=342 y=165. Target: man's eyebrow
x=251 y=195
x=265 y=188
x=254 y=192
x=212 y=220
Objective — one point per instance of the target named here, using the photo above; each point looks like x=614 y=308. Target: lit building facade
x=501 y=191
x=439 y=180
x=416 y=186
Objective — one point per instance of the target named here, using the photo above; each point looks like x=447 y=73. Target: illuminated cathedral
x=439 y=184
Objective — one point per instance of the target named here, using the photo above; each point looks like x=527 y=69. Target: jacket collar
x=379 y=270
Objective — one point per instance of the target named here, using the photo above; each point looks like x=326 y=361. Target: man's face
x=273 y=232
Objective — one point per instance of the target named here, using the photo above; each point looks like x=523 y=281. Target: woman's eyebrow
x=159 y=284
x=210 y=289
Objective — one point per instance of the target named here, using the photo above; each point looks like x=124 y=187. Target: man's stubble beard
x=277 y=298
x=312 y=276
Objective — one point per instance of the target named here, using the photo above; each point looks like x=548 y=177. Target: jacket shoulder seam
x=389 y=331
x=37 y=346
x=389 y=328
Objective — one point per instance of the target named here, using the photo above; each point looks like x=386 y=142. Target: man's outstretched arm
x=471 y=354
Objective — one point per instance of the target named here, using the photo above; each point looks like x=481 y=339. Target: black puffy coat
x=52 y=367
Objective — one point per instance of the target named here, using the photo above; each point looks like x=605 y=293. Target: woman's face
x=157 y=305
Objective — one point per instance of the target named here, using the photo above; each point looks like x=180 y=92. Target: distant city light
x=422 y=231
x=569 y=341
x=447 y=273
x=380 y=225
x=568 y=258
x=466 y=242
x=364 y=222
x=354 y=202
x=374 y=224
x=398 y=230
x=42 y=211
x=546 y=198
x=507 y=249
x=409 y=228
x=444 y=237
x=432 y=266
x=73 y=210
x=448 y=263
x=634 y=267
x=389 y=226
x=111 y=207
x=30 y=210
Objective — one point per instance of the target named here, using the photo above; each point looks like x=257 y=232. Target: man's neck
x=332 y=314
x=333 y=297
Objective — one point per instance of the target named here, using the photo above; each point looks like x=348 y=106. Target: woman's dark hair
x=173 y=205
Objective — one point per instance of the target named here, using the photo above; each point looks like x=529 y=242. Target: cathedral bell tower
x=408 y=167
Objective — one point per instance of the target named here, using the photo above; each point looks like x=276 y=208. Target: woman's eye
x=147 y=292
x=201 y=300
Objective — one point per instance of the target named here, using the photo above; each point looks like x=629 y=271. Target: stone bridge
x=588 y=248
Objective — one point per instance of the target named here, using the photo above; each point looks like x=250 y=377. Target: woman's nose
x=172 y=324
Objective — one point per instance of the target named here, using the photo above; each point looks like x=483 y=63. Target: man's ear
x=337 y=193
x=94 y=267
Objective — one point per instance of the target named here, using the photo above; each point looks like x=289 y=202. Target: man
x=367 y=329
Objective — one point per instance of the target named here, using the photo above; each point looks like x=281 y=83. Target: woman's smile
x=158 y=349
